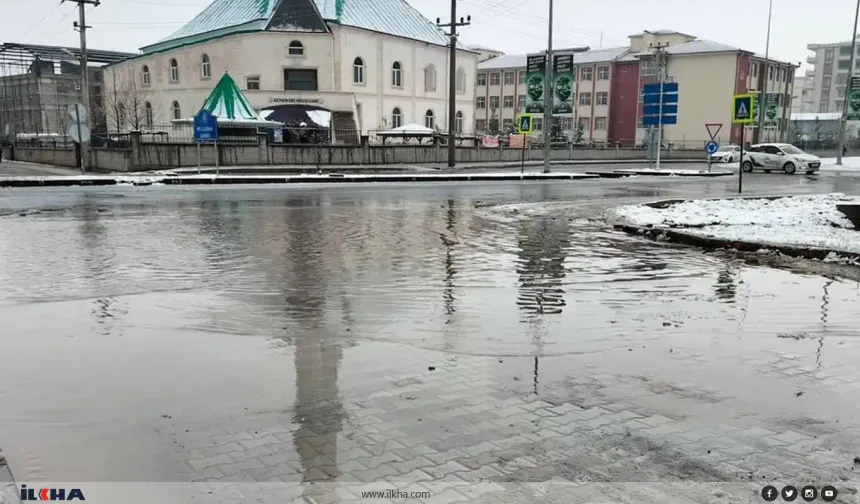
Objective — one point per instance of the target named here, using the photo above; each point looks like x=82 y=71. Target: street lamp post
x=762 y=101
x=844 y=121
x=547 y=101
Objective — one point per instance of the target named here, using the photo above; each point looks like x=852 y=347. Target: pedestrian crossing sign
x=742 y=109
x=525 y=124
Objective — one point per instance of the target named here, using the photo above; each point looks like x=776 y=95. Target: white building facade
x=370 y=75
x=828 y=77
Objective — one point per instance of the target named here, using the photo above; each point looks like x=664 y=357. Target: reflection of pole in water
x=825 y=302
x=536 y=374
x=543 y=247
x=726 y=289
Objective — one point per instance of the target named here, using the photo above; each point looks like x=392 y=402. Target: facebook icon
x=769 y=493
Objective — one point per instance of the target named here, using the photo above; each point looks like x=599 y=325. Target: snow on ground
x=799 y=221
x=848 y=164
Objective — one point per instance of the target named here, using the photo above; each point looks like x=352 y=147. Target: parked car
x=779 y=156
x=727 y=154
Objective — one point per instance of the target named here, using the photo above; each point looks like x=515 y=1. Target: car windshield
x=726 y=148
x=790 y=149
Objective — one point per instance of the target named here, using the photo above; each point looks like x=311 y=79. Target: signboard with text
x=535 y=84
x=564 y=85
x=853 y=97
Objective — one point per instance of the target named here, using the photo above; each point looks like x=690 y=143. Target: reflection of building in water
x=726 y=287
x=448 y=242
x=543 y=245
x=108 y=309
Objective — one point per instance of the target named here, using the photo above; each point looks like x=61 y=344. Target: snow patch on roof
x=519 y=60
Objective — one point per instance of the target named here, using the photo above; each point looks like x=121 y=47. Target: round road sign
x=77 y=112
x=84 y=133
x=712 y=147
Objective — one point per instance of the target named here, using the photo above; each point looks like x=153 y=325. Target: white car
x=727 y=154
x=779 y=156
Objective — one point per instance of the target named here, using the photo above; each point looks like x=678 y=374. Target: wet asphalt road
x=472 y=339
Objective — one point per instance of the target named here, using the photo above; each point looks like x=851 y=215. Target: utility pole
x=762 y=101
x=844 y=122
x=452 y=80
x=81 y=26
x=661 y=60
x=547 y=101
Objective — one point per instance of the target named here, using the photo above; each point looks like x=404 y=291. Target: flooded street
x=416 y=333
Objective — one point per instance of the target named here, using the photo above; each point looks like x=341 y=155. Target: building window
x=252 y=83
x=842 y=79
x=430 y=79
x=586 y=73
x=508 y=102
x=396 y=118
x=429 y=120
x=648 y=67
x=754 y=69
x=566 y=123
x=845 y=50
x=481 y=126
x=828 y=68
x=840 y=93
x=844 y=64
x=205 y=67
x=538 y=124
x=296 y=48
x=397 y=74
x=521 y=102
x=482 y=79
x=585 y=98
x=585 y=122
x=174 y=70
x=493 y=127
x=458 y=123
x=494 y=79
x=522 y=77
x=481 y=102
x=494 y=102
x=770 y=73
x=358 y=71
x=461 y=81
x=603 y=73
x=175 y=111
x=300 y=79
x=145 y=77
x=147 y=114
x=602 y=98
x=507 y=124
x=509 y=78
x=600 y=124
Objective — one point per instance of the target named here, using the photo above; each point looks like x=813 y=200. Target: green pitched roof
x=226 y=17
x=227 y=103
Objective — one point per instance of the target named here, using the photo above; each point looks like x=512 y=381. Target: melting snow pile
x=796 y=221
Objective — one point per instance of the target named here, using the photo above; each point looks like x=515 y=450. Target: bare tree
x=126 y=102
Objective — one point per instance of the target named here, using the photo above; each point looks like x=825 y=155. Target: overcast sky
x=513 y=26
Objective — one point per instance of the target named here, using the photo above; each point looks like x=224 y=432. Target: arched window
x=174 y=70
x=396 y=118
x=144 y=72
x=458 y=123
x=430 y=79
x=296 y=48
x=430 y=119
x=358 y=71
x=397 y=74
x=147 y=114
x=175 y=111
x=461 y=81
x=205 y=67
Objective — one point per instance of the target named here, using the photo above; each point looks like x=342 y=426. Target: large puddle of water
x=121 y=313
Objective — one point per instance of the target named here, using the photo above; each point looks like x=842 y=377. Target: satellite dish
x=84 y=136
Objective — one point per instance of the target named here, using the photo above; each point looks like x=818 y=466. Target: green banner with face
x=564 y=86
x=535 y=84
x=771 y=110
x=853 y=98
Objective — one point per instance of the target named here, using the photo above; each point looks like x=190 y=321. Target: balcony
x=811 y=60
x=810 y=73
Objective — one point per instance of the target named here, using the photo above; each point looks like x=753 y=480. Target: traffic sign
x=525 y=124
x=713 y=129
x=77 y=112
x=84 y=135
x=742 y=108
x=712 y=147
x=660 y=104
x=205 y=127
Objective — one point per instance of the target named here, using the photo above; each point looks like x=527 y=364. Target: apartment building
x=802 y=101
x=831 y=65
x=609 y=86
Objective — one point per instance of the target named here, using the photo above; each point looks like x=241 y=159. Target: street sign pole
x=741 y=166
x=742 y=113
x=198 y=158
x=81 y=143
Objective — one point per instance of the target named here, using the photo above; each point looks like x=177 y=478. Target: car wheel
x=767 y=171
x=789 y=168
x=747 y=166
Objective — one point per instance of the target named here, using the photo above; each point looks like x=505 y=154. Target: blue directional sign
x=205 y=127
x=712 y=147
x=660 y=104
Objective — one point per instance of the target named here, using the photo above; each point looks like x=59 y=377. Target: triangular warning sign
x=713 y=129
x=742 y=110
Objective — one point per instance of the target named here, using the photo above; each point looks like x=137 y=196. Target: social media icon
x=769 y=493
x=789 y=493
x=809 y=493
x=828 y=493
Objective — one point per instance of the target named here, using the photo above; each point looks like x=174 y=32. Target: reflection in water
x=825 y=302
x=107 y=310
x=726 y=287
x=449 y=243
x=543 y=244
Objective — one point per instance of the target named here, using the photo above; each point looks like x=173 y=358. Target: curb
x=708 y=243
x=285 y=179
x=669 y=173
x=8 y=489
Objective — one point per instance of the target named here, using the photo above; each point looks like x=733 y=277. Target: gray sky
x=513 y=26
